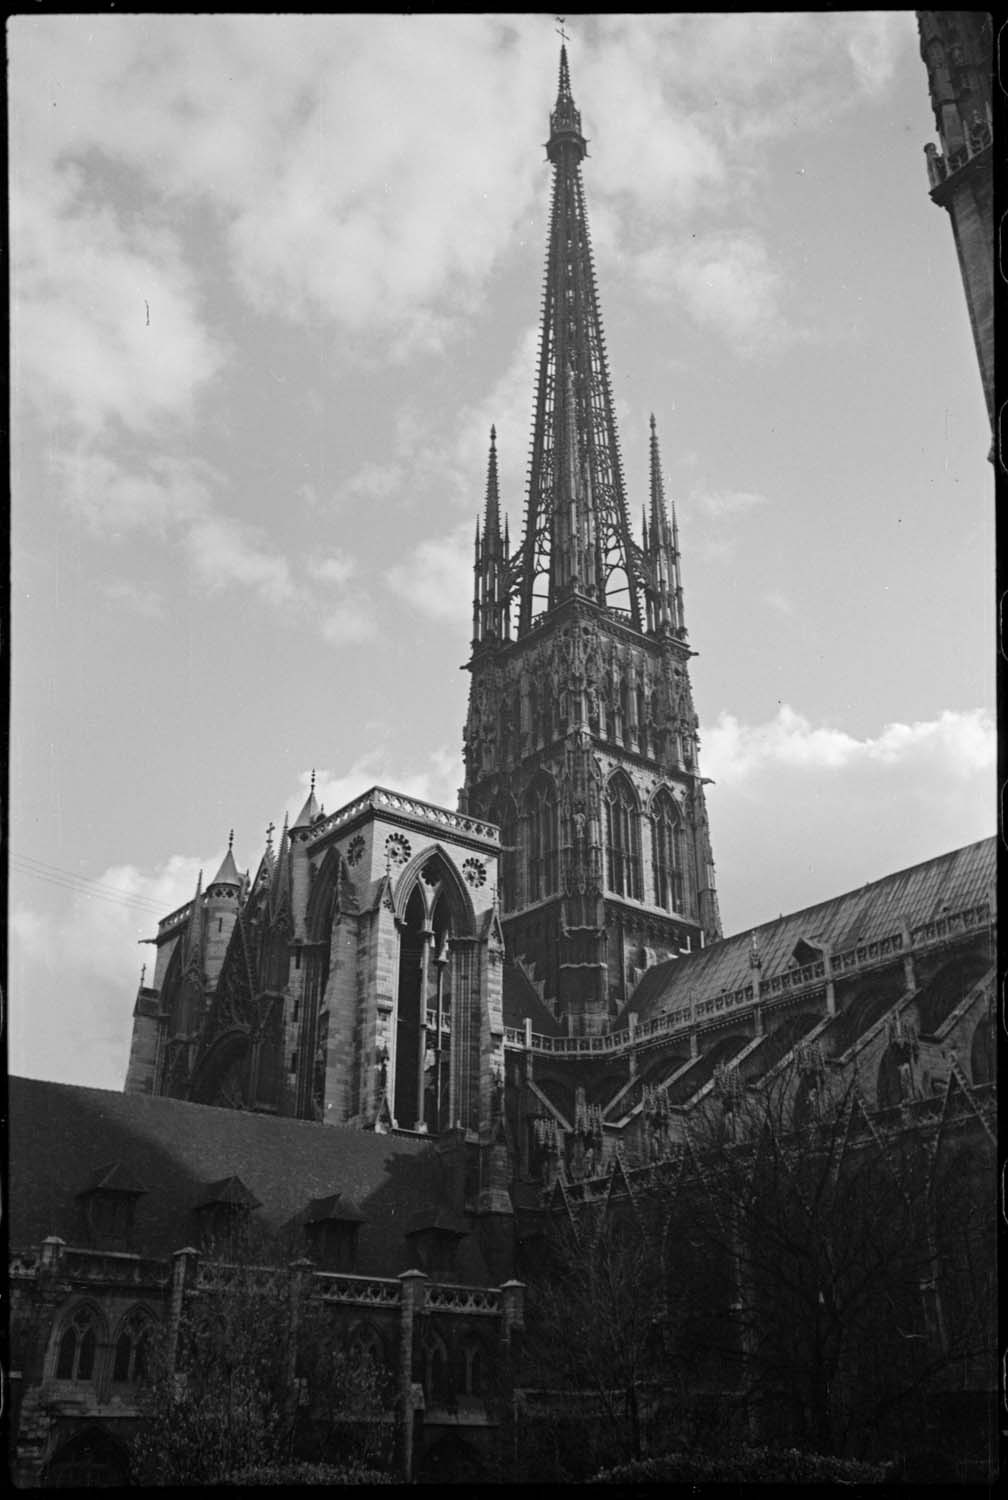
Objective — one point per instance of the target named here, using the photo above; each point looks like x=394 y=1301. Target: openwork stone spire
x=577 y=537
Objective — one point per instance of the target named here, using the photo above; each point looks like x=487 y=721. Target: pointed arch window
x=78 y=1345
x=667 y=845
x=623 y=839
x=542 y=839
x=130 y=1357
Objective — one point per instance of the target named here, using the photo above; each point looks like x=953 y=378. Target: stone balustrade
x=381 y=800
x=360 y=1291
x=805 y=979
x=442 y=1297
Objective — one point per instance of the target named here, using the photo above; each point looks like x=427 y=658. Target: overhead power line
x=79 y=884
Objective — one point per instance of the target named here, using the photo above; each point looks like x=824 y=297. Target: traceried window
x=667 y=852
x=623 y=839
x=540 y=807
x=131 y=1349
x=75 y=1358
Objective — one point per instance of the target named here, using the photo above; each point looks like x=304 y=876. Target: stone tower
x=958 y=50
x=581 y=739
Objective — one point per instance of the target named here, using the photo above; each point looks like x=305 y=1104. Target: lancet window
x=541 y=811
x=623 y=839
x=75 y=1358
x=667 y=854
x=131 y=1348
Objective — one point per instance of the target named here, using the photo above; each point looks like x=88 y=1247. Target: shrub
x=305 y=1473
x=745 y=1466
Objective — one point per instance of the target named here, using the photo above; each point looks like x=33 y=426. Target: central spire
x=577 y=532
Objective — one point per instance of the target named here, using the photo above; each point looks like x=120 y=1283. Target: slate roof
x=59 y=1135
x=919 y=894
x=521 y=999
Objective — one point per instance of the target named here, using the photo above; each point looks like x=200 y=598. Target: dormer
x=331 y=1227
x=434 y=1236
x=806 y=952
x=108 y=1205
x=223 y=1214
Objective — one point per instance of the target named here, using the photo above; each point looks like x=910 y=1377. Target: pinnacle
x=228 y=872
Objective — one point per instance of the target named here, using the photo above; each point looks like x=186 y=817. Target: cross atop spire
x=565 y=118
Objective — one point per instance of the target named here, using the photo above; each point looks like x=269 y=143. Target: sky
x=274 y=277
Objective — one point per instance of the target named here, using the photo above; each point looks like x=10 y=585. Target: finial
x=230 y=841
x=560 y=29
x=653 y=424
x=493 y=434
x=312 y=787
x=270 y=829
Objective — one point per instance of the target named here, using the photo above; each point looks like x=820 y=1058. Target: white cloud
x=112 y=498
x=779 y=602
x=373 y=481
x=336 y=568
x=436 y=782
x=131 y=596
x=80 y=1032
x=105 y=323
x=437 y=577
x=958 y=744
x=718 y=504
x=352 y=619
x=727 y=282
x=223 y=551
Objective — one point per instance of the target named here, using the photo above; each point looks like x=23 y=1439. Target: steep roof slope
x=59 y=1135
x=920 y=894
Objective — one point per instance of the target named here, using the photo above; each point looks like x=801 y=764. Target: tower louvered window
x=667 y=850
x=623 y=839
x=542 y=840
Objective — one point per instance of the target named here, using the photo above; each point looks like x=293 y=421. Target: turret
x=223 y=899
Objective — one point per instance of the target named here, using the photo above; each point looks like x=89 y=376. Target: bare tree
x=811 y=1252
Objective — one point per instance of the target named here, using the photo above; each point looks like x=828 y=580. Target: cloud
x=780 y=602
x=437 y=782
x=718 y=504
x=958 y=744
x=113 y=498
x=140 y=601
x=223 y=551
x=336 y=568
x=373 y=481
x=437 y=577
x=81 y=1034
x=727 y=282
x=352 y=619
x=106 y=329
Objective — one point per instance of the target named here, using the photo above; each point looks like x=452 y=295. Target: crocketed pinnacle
x=663 y=591
x=491 y=523
x=310 y=811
